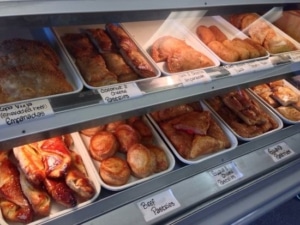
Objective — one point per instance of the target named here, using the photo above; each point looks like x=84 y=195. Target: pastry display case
x=205 y=93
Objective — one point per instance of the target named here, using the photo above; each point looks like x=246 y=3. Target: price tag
x=22 y=112
x=120 y=92
x=226 y=174
x=158 y=205
x=279 y=152
x=194 y=77
x=217 y=72
x=238 y=69
x=295 y=56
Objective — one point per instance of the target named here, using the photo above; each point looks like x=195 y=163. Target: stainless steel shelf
x=73 y=117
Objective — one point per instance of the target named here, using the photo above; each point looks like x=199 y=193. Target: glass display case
x=233 y=186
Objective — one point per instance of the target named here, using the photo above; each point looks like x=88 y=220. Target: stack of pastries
x=29 y=69
x=262 y=33
x=192 y=131
x=35 y=175
x=178 y=55
x=242 y=113
x=281 y=97
x=125 y=148
x=229 y=50
x=107 y=56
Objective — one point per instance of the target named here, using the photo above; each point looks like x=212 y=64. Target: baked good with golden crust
x=141 y=160
x=225 y=53
x=178 y=55
x=126 y=136
x=114 y=171
x=103 y=145
x=289 y=112
x=205 y=34
x=162 y=162
x=13 y=203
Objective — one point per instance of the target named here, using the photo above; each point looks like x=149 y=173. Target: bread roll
x=141 y=160
x=103 y=145
x=239 y=43
x=223 y=52
x=243 y=52
x=205 y=34
x=219 y=35
x=114 y=171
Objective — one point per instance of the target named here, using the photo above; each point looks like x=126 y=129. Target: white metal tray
x=285 y=120
x=230 y=136
x=43 y=34
x=228 y=29
x=147 y=32
x=60 y=31
x=133 y=180
x=264 y=108
x=59 y=210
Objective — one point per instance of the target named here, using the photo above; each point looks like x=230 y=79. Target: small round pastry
x=141 y=160
x=92 y=131
x=162 y=162
x=126 y=136
x=114 y=171
x=103 y=145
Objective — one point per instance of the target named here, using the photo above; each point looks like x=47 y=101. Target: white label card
x=194 y=77
x=238 y=69
x=22 y=112
x=226 y=174
x=158 y=205
x=120 y=92
x=279 y=151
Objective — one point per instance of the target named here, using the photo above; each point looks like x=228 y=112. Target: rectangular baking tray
x=133 y=180
x=229 y=134
x=43 y=34
x=58 y=210
x=285 y=120
x=277 y=31
x=228 y=29
x=263 y=107
x=147 y=32
x=60 y=31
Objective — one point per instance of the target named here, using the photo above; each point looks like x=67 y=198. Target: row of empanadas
x=29 y=69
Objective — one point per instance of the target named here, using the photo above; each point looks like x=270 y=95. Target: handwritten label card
x=279 y=152
x=120 y=92
x=22 y=112
x=194 y=77
x=158 y=205
x=226 y=174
